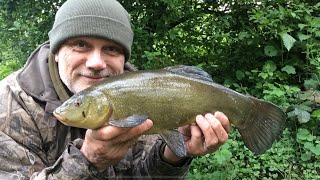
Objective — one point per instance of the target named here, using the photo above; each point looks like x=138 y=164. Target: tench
x=171 y=97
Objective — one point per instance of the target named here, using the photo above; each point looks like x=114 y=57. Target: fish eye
x=77 y=103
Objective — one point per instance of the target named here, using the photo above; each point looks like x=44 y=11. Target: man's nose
x=96 y=61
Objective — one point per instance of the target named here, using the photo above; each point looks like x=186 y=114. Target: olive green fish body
x=171 y=99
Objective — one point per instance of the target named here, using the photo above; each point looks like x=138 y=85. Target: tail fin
x=265 y=127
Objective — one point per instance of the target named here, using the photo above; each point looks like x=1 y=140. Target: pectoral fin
x=130 y=121
x=175 y=142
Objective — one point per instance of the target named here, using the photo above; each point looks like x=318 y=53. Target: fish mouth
x=60 y=118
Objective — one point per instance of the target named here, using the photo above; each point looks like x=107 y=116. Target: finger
x=185 y=130
x=196 y=136
x=221 y=135
x=210 y=137
x=108 y=132
x=224 y=120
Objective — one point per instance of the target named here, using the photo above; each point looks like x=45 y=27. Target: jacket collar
x=35 y=80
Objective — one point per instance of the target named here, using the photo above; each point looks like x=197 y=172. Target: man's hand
x=108 y=145
x=206 y=136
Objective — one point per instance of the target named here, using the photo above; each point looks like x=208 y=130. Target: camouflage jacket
x=34 y=145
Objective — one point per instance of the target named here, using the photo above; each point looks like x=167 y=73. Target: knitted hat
x=92 y=18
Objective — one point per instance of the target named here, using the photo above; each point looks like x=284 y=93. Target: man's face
x=84 y=61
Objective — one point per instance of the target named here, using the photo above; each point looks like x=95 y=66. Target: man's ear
x=56 y=57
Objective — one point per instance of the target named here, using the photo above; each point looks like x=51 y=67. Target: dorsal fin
x=190 y=71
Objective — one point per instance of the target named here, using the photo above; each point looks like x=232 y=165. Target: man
x=89 y=41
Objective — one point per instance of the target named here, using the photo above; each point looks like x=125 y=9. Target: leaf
x=316 y=150
x=303 y=37
x=303 y=107
x=269 y=66
x=315 y=22
x=288 y=40
x=270 y=51
x=305 y=157
x=310 y=84
x=240 y=75
x=302 y=134
x=316 y=114
x=304 y=117
x=289 y=69
x=278 y=92
x=223 y=155
x=243 y=35
x=263 y=75
x=308 y=145
x=301 y=26
x=172 y=36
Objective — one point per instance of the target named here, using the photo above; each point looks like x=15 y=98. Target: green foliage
x=24 y=25
x=277 y=163
x=269 y=49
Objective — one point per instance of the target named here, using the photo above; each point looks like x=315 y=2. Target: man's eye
x=113 y=50
x=81 y=44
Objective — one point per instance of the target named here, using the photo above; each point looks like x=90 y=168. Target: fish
x=172 y=97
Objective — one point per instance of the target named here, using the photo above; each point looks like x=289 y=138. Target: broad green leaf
x=308 y=145
x=304 y=117
x=316 y=150
x=303 y=107
x=305 y=157
x=289 y=69
x=223 y=155
x=263 y=75
x=293 y=14
x=315 y=22
x=302 y=134
x=269 y=66
x=303 y=37
x=301 y=26
x=311 y=84
x=316 y=114
x=270 y=51
x=172 y=36
x=243 y=35
x=240 y=75
x=278 y=92
x=288 y=40
x=227 y=154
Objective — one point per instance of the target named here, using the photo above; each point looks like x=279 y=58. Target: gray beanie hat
x=92 y=18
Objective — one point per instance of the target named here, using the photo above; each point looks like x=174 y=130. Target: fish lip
x=60 y=118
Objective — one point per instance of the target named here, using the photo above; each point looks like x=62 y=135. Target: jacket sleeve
x=23 y=151
x=18 y=162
